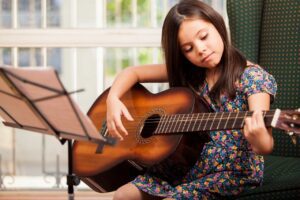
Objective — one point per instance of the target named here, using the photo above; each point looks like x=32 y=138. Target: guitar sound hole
x=150 y=125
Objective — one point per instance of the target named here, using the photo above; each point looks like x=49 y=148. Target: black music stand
x=35 y=99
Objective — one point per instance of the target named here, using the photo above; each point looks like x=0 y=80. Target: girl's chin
x=208 y=66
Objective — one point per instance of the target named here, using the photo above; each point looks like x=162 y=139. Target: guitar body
x=121 y=163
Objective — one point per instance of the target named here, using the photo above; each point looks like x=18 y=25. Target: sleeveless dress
x=227 y=165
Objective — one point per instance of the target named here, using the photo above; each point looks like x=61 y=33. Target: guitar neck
x=170 y=124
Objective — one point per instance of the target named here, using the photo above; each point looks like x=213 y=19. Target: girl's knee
x=119 y=195
x=126 y=192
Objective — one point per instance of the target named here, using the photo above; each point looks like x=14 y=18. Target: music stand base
x=72 y=180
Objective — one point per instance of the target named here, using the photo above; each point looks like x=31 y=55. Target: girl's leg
x=130 y=191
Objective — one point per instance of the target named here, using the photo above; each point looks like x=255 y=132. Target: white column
x=44 y=26
x=14 y=26
x=73 y=7
x=153 y=13
x=134 y=13
x=100 y=23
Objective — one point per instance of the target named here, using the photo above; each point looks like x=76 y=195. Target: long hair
x=181 y=72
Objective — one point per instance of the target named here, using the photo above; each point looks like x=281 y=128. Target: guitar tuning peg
x=293 y=137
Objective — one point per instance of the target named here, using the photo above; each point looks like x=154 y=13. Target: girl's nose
x=201 y=48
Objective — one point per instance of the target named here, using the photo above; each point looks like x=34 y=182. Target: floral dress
x=227 y=165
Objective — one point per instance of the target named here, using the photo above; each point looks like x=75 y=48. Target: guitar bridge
x=109 y=140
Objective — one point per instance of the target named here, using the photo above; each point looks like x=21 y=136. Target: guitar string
x=184 y=118
x=235 y=114
x=134 y=127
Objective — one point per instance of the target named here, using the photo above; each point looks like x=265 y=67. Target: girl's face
x=201 y=43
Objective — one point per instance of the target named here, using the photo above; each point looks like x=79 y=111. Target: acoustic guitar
x=171 y=125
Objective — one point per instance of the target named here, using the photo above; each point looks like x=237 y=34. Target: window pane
x=117 y=59
x=119 y=13
x=144 y=13
x=29 y=57
x=62 y=59
x=54 y=58
x=29 y=15
x=5 y=14
x=5 y=56
x=122 y=13
x=54 y=13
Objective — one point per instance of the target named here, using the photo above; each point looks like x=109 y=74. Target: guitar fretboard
x=206 y=121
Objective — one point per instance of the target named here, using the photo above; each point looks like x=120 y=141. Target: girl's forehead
x=190 y=27
x=194 y=23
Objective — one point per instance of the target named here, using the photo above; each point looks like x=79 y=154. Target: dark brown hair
x=181 y=72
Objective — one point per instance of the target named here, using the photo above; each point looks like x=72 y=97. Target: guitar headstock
x=287 y=120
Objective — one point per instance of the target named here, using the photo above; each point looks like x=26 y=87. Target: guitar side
x=110 y=169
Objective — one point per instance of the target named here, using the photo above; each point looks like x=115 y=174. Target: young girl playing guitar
x=199 y=55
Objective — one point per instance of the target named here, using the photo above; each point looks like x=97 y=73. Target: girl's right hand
x=116 y=109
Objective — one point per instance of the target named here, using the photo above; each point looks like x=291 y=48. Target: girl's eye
x=188 y=49
x=203 y=37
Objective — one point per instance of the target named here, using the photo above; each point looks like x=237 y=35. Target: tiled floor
x=52 y=195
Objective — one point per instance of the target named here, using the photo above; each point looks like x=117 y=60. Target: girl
x=198 y=55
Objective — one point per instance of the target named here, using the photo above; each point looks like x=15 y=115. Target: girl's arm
x=123 y=82
x=255 y=131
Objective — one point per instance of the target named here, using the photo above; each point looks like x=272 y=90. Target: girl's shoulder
x=256 y=79
x=252 y=68
x=255 y=72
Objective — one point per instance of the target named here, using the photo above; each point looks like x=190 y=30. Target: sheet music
x=35 y=99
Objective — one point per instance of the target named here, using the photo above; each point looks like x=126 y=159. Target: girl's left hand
x=257 y=134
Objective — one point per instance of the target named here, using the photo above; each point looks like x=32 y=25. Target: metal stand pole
x=71 y=178
x=1 y=177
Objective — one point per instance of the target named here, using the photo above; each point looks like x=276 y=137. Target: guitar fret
x=236 y=115
x=174 y=124
x=166 y=121
x=206 y=121
x=201 y=120
x=243 y=121
x=183 y=120
x=195 y=121
x=178 y=122
x=161 y=125
x=189 y=120
x=171 y=122
x=221 y=118
x=227 y=120
x=212 y=122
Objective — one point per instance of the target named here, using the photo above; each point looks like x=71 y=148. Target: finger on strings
x=127 y=115
x=246 y=126
x=120 y=126
x=113 y=130
x=253 y=122
x=260 y=119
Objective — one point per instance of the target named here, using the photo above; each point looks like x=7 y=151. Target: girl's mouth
x=207 y=57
